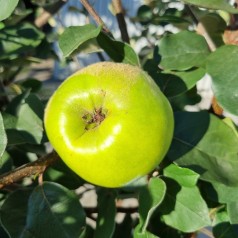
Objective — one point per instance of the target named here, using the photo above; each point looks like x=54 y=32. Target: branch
x=33 y=168
x=215 y=106
x=90 y=210
x=94 y=15
x=203 y=29
x=117 y=5
x=47 y=14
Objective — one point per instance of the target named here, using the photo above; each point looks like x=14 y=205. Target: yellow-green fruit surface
x=110 y=123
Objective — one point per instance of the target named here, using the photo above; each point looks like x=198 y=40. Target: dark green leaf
x=3 y=137
x=175 y=83
x=191 y=97
x=144 y=14
x=13 y=212
x=222 y=227
x=207 y=145
x=183 y=207
x=149 y=199
x=19 y=39
x=106 y=214
x=74 y=36
x=118 y=51
x=182 y=51
x=33 y=84
x=213 y=4
x=7 y=7
x=52 y=205
x=124 y=228
x=222 y=66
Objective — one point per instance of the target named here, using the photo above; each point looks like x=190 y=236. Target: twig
x=117 y=5
x=94 y=15
x=47 y=14
x=33 y=168
x=207 y=37
x=216 y=108
x=90 y=210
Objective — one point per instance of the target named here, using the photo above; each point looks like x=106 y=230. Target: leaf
x=205 y=144
x=7 y=7
x=74 y=36
x=222 y=227
x=5 y=163
x=179 y=53
x=19 y=39
x=13 y=212
x=232 y=209
x=106 y=214
x=185 y=177
x=222 y=66
x=145 y=234
x=23 y=120
x=118 y=51
x=183 y=207
x=3 y=137
x=149 y=199
x=175 y=83
x=213 y=4
x=123 y=229
x=221 y=193
x=144 y=14
x=52 y=205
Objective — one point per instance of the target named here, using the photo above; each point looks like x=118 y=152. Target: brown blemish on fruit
x=94 y=119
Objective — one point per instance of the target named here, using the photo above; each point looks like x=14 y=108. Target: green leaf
x=207 y=145
x=175 y=83
x=106 y=214
x=3 y=137
x=222 y=193
x=222 y=227
x=52 y=205
x=13 y=212
x=145 y=234
x=149 y=199
x=118 y=51
x=19 y=39
x=23 y=120
x=74 y=36
x=222 y=66
x=5 y=163
x=232 y=209
x=213 y=4
x=182 y=51
x=183 y=207
x=7 y=7
x=185 y=177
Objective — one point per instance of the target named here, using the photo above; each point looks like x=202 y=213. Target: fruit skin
x=110 y=123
